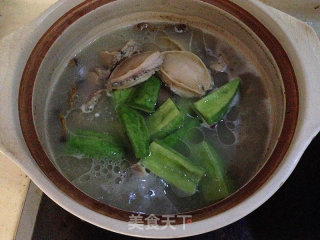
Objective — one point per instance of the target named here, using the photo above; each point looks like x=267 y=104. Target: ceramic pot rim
x=39 y=155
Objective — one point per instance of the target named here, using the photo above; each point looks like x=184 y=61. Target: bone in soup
x=159 y=118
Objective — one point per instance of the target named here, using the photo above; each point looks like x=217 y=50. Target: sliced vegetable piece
x=90 y=133
x=174 y=138
x=173 y=167
x=165 y=120
x=136 y=130
x=213 y=185
x=185 y=106
x=122 y=95
x=146 y=96
x=94 y=145
x=215 y=105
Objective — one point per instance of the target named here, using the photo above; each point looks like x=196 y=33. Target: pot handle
x=306 y=61
x=15 y=50
x=11 y=143
x=303 y=49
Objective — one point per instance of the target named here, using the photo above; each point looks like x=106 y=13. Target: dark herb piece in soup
x=147 y=108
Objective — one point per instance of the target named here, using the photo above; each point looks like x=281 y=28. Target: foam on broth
x=241 y=137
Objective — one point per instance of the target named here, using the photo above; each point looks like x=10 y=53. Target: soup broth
x=241 y=137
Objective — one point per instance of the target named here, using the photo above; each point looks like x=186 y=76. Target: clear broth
x=241 y=137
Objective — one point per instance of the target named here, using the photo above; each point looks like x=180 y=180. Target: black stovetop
x=293 y=213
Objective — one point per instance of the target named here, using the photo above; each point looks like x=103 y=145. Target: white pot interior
x=106 y=20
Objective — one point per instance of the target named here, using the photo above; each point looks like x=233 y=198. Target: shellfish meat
x=135 y=70
x=185 y=74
